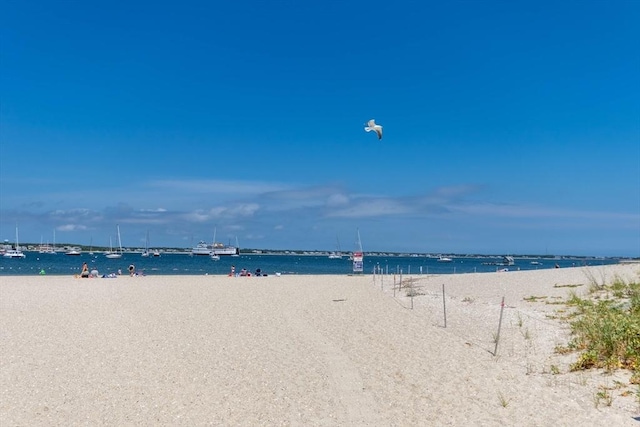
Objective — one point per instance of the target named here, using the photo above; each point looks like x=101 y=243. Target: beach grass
x=606 y=327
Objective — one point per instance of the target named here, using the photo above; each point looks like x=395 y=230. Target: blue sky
x=509 y=127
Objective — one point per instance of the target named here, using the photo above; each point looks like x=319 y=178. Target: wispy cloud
x=71 y=227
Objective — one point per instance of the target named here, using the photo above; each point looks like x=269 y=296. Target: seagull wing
x=378 y=130
x=371 y=123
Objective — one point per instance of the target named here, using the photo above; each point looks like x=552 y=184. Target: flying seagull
x=371 y=125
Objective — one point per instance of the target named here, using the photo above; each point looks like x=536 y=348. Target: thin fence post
x=495 y=350
x=411 y=281
x=444 y=306
x=394 y=285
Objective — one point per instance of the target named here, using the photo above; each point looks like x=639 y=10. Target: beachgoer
x=132 y=270
x=85 y=270
x=233 y=271
x=94 y=273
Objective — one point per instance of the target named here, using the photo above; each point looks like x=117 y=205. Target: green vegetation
x=606 y=328
x=504 y=402
x=534 y=298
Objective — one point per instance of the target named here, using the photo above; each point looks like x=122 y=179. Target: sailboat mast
x=119 y=241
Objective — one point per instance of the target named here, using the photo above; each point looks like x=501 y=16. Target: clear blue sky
x=510 y=127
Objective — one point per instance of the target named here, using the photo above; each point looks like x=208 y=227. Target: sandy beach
x=301 y=351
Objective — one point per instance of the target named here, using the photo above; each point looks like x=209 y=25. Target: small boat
x=235 y=249
x=73 y=252
x=215 y=257
x=156 y=253
x=337 y=254
x=111 y=254
x=145 y=253
x=16 y=252
x=444 y=259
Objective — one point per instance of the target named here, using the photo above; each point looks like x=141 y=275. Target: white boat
x=337 y=254
x=235 y=250
x=73 y=252
x=222 y=249
x=145 y=253
x=444 y=259
x=203 y=248
x=156 y=253
x=46 y=249
x=214 y=256
x=111 y=254
x=15 y=252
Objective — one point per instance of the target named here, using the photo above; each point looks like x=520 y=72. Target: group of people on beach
x=86 y=274
x=245 y=273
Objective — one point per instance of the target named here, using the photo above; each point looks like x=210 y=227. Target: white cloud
x=71 y=227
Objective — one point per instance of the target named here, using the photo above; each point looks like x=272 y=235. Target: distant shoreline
x=171 y=251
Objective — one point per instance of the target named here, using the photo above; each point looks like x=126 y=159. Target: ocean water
x=184 y=264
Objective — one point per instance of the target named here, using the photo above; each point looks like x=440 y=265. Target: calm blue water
x=168 y=264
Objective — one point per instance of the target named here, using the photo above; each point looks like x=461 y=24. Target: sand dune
x=298 y=351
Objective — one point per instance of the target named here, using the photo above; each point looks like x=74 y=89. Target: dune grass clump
x=606 y=328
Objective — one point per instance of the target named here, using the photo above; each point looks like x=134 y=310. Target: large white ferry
x=203 y=248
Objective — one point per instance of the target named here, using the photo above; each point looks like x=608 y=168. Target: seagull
x=371 y=125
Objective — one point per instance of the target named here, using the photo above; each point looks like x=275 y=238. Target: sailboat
x=46 y=248
x=145 y=253
x=337 y=254
x=111 y=254
x=214 y=256
x=14 y=253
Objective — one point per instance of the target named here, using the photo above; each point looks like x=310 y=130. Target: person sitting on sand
x=85 y=271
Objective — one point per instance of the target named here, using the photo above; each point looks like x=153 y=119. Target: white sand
x=298 y=351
